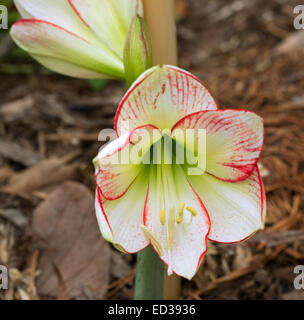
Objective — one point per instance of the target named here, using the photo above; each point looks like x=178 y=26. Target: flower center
x=166 y=183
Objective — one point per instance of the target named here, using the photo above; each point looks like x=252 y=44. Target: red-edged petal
x=236 y=210
x=161 y=96
x=110 y=20
x=50 y=43
x=120 y=220
x=102 y=219
x=190 y=236
x=119 y=162
x=234 y=141
x=57 y=12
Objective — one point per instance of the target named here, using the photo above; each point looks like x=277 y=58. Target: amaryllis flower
x=141 y=203
x=78 y=38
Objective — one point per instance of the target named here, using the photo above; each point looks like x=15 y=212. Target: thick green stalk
x=149 y=282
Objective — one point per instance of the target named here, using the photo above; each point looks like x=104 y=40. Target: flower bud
x=138 y=52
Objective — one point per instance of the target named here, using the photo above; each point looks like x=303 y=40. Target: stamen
x=179 y=220
x=192 y=211
x=162 y=217
x=181 y=209
x=171 y=223
x=156 y=244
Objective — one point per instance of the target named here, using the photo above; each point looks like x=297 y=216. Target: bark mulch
x=250 y=56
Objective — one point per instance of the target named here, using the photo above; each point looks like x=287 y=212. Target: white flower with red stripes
x=139 y=204
x=77 y=38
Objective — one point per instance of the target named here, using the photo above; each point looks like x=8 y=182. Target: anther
x=179 y=220
x=192 y=211
x=162 y=217
x=181 y=209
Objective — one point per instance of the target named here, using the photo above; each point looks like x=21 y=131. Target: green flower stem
x=149 y=282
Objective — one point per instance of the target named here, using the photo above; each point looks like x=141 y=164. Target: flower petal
x=56 y=12
x=102 y=218
x=189 y=242
x=127 y=10
x=47 y=40
x=124 y=217
x=119 y=162
x=234 y=141
x=237 y=210
x=109 y=19
x=67 y=68
x=161 y=96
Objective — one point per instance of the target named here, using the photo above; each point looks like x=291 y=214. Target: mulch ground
x=245 y=54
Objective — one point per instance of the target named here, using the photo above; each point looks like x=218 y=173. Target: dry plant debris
x=74 y=260
x=248 y=54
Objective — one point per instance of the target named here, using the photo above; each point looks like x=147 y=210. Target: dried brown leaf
x=67 y=225
x=46 y=173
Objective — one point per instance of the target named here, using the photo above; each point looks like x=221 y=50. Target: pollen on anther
x=179 y=220
x=162 y=217
x=192 y=211
x=181 y=209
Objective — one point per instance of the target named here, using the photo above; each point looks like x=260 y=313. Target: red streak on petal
x=78 y=13
x=25 y=21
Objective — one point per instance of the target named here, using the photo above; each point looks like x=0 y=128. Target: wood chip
x=46 y=173
x=14 y=216
x=293 y=42
x=16 y=109
x=275 y=238
x=18 y=153
x=256 y=262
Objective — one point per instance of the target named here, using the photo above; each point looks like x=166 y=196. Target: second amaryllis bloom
x=178 y=206
x=83 y=39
